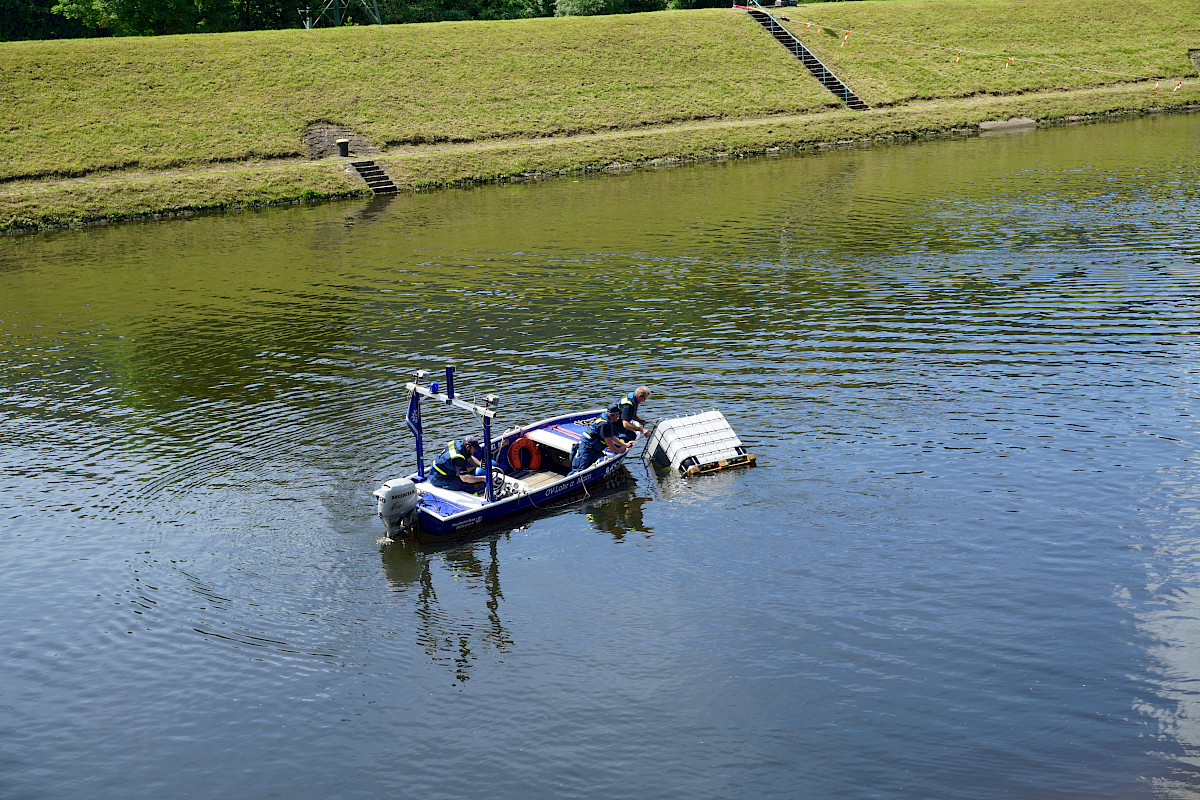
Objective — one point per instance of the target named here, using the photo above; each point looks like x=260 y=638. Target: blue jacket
x=453 y=460
x=600 y=429
x=629 y=406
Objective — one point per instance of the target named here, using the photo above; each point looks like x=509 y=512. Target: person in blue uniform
x=631 y=423
x=622 y=434
x=454 y=468
x=600 y=434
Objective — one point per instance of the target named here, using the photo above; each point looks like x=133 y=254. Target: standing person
x=600 y=434
x=631 y=423
x=454 y=468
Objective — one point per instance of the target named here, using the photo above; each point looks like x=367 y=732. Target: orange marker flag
x=1006 y=63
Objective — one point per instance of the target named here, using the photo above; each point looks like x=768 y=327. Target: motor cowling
x=396 y=498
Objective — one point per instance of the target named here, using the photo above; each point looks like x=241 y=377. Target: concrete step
x=376 y=178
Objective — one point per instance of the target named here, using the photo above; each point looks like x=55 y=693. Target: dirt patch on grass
x=320 y=140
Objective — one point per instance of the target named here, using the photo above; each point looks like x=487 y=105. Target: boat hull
x=465 y=524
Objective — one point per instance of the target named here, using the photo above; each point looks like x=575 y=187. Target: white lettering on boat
x=553 y=490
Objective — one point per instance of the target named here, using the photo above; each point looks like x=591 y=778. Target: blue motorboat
x=529 y=466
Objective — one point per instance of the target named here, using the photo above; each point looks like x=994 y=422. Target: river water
x=966 y=567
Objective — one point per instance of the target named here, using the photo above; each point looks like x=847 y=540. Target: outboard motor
x=397 y=504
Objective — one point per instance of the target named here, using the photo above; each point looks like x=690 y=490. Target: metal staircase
x=377 y=180
x=814 y=65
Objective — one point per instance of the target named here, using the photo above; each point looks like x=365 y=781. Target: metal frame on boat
x=412 y=505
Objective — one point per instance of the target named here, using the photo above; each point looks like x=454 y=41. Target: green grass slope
x=905 y=50
x=112 y=128
x=78 y=106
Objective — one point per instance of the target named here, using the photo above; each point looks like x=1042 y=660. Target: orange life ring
x=524 y=445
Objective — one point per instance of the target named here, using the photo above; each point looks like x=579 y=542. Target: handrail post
x=487 y=459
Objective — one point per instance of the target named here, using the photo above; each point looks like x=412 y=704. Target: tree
x=132 y=17
x=586 y=8
x=149 y=17
x=33 y=19
x=443 y=10
x=581 y=8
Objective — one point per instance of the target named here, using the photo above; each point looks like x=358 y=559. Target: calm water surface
x=967 y=567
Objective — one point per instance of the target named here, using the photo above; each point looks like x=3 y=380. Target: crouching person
x=602 y=433
x=455 y=466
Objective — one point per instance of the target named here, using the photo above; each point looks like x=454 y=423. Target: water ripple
x=963 y=568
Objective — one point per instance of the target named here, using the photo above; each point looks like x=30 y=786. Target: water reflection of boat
x=530 y=472
x=451 y=638
x=618 y=514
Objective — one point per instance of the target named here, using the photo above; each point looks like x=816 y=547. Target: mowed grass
x=27 y=205
x=73 y=107
x=1106 y=43
x=172 y=124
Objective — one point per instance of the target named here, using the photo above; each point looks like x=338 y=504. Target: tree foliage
x=53 y=19
x=33 y=19
x=154 y=17
x=393 y=11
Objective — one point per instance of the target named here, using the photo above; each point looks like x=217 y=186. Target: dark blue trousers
x=449 y=482
x=588 y=453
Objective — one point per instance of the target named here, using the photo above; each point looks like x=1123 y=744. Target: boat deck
x=536 y=480
x=447 y=502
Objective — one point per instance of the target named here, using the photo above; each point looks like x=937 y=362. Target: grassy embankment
x=114 y=128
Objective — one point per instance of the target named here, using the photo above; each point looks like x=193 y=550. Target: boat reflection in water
x=452 y=636
x=619 y=513
x=456 y=626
